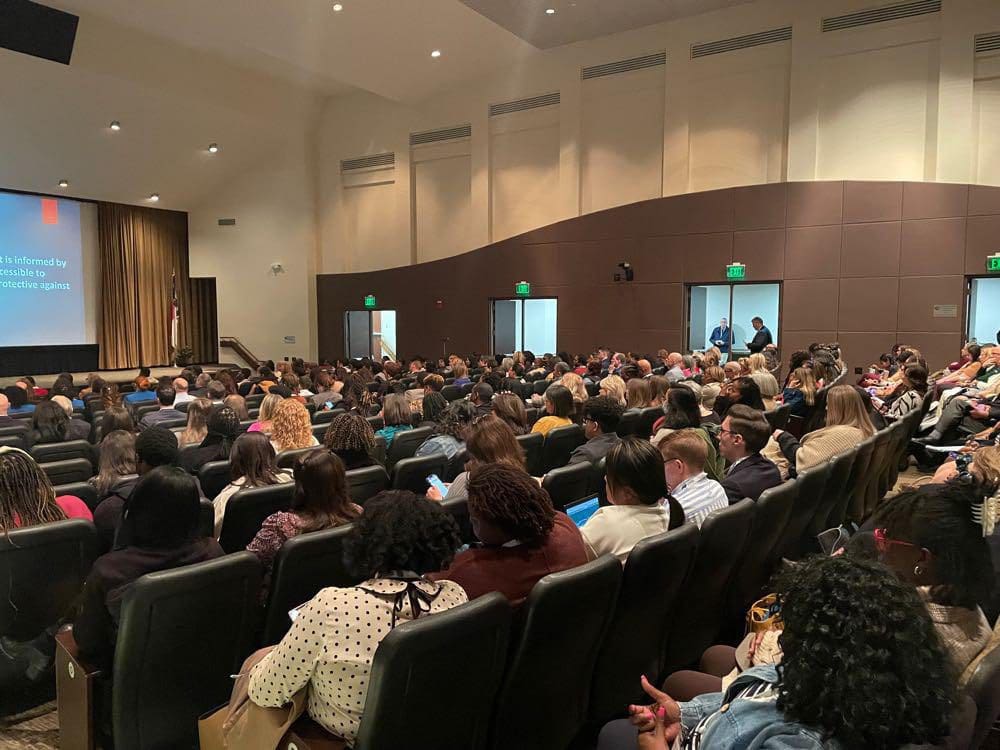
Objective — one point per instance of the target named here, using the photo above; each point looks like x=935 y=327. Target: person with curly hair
x=398 y=541
x=450 y=434
x=351 y=438
x=26 y=494
x=523 y=537
x=862 y=668
x=291 y=427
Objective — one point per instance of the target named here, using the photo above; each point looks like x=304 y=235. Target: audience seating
x=380 y=450
x=858 y=483
x=319 y=430
x=83 y=490
x=253 y=401
x=458 y=507
x=452 y=392
x=213 y=477
x=629 y=423
x=721 y=545
x=138 y=412
x=984 y=688
x=533 y=414
x=568 y=484
x=244 y=425
x=366 y=482
x=559 y=444
x=64 y=451
x=182 y=407
x=641 y=622
x=778 y=418
x=12 y=441
x=302 y=567
x=880 y=455
x=411 y=473
x=540 y=386
x=377 y=423
x=456 y=465
x=810 y=493
x=647 y=418
x=67 y=472
x=828 y=514
x=206 y=518
x=246 y=511
x=18 y=431
x=405 y=444
x=593 y=389
x=563 y=622
x=531 y=443
x=287 y=459
x=23 y=415
x=598 y=486
x=325 y=417
x=182 y=633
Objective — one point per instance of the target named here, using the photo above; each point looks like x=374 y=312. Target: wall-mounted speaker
x=37 y=30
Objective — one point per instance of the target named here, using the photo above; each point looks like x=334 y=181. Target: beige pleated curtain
x=142 y=250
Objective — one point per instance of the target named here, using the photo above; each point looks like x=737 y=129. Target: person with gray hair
x=215 y=391
x=181 y=394
x=76 y=429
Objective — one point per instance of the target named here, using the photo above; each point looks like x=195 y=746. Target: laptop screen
x=580 y=512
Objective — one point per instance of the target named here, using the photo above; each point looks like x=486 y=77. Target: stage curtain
x=142 y=251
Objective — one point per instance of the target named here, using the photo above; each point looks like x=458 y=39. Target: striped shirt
x=699 y=496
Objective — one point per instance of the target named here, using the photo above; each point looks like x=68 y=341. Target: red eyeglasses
x=883 y=543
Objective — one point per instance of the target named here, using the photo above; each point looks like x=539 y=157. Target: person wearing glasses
x=601 y=416
x=742 y=437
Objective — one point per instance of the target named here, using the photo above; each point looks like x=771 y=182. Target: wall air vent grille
x=879 y=15
x=986 y=43
x=227 y=222
x=534 y=102
x=741 y=42
x=623 y=66
x=444 y=134
x=367 y=162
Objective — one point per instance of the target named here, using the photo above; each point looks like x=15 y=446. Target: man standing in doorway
x=721 y=336
x=761 y=339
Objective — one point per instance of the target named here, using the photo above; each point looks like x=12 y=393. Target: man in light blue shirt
x=684 y=453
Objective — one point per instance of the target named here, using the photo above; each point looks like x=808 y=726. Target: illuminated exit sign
x=370 y=301
x=522 y=289
x=736 y=271
x=993 y=263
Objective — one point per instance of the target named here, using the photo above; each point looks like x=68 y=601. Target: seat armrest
x=75 y=688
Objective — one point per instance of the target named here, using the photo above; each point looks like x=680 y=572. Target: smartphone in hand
x=435 y=481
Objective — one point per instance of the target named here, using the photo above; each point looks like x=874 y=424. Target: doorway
x=983 y=314
x=370 y=333
x=524 y=325
x=738 y=304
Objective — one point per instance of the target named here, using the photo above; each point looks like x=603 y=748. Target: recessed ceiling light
x=63 y=183
x=115 y=125
x=337 y=7
x=154 y=197
x=213 y=148
x=436 y=53
x=550 y=11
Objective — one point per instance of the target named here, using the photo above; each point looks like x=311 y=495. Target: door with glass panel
x=728 y=310
x=370 y=333
x=983 y=314
x=524 y=325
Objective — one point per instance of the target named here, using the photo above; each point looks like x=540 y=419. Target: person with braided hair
x=351 y=438
x=223 y=429
x=27 y=497
x=523 y=538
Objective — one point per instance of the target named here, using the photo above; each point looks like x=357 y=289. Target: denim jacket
x=749 y=723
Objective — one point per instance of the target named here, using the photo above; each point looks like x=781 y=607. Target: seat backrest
x=564 y=621
x=452 y=392
x=781 y=416
x=64 y=451
x=456 y=465
x=65 y=472
x=833 y=505
x=876 y=469
x=254 y=400
x=21 y=430
x=858 y=481
x=303 y=566
x=641 y=623
x=182 y=633
x=559 y=444
x=533 y=414
x=246 y=511
x=458 y=507
x=366 y=482
x=377 y=423
x=721 y=546
x=531 y=443
x=647 y=418
x=379 y=453
x=405 y=444
x=287 y=459
x=213 y=476
x=540 y=386
x=598 y=470
x=326 y=416
x=629 y=423
x=593 y=389
x=984 y=687
x=12 y=441
x=567 y=484
x=319 y=430
x=206 y=518
x=459 y=653
x=83 y=490
x=411 y=473
x=44 y=568
x=793 y=541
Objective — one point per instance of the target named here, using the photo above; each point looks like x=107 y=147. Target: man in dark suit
x=761 y=339
x=743 y=435
x=721 y=336
x=601 y=416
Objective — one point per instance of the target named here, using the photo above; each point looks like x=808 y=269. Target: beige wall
x=904 y=100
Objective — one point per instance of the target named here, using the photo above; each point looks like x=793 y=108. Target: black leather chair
x=899 y=439
x=540 y=386
x=829 y=513
x=857 y=484
x=366 y=482
x=183 y=406
x=254 y=400
x=697 y=624
x=405 y=444
x=380 y=450
x=568 y=484
x=319 y=430
x=246 y=511
x=874 y=489
x=411 y=473
x=778 y=417
x=559 y=444
x=21 y=430
x=213 y=476
x=64 y=451
x=67 y=472
x=287 y=459
x=533 y=415
x=593 y=389
x=597 y=484
x=302 y=567
x=984 y=688
x=138 y=412
x=531 y=443
x=377 y=423
x=452 y=392
x=182 y=633
x=794 y=542
x=564 y=621
x=647 y=418
x=458 y=507
x=206 y=518
x=12 y=441
x=456 y=465
x=326 y=416
x=629 y=423
x=44 y=568
x=15 y=437
x=83 y=490
x=246 y=424
x=642 y=622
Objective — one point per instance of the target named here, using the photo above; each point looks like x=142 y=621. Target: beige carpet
x=36 y=729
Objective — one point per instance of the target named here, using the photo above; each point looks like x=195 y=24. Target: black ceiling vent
x=746 y=41
x=882 y=14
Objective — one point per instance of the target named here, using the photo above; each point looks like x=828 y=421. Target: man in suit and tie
x=721 y=336
x=761 y=339
x=743 y=435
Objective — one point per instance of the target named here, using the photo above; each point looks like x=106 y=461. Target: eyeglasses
x=884 y=543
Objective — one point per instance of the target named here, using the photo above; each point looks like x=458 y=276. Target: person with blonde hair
x=291 y=428
x=637 y=393
x=613 y=387
x=767 y=384
x=575 y=384
x=197 y=423
x=266 y=414
x=847 y=424
x=800 y=392
x=757 y=363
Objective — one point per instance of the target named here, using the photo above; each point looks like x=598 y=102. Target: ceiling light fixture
x=213 y=148
x=436 y=53
x=154 y=197
x=337 y=7
x=115 y=125
x=550 y=11
x=63 y=183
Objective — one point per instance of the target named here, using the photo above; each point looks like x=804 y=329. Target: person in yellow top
x=558 y=405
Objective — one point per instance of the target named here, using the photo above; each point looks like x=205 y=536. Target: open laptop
x=579 y=512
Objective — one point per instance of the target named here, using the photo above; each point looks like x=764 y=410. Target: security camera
x=277 y=268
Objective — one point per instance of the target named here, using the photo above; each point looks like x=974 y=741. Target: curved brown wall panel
x=862 y=262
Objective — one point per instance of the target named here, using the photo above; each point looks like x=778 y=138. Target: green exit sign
x=370 y=301
x=522 y=289
x=993 y=263
x=736 y=271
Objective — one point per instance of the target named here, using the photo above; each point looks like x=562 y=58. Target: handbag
x=764 y=614
x=242 y=724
